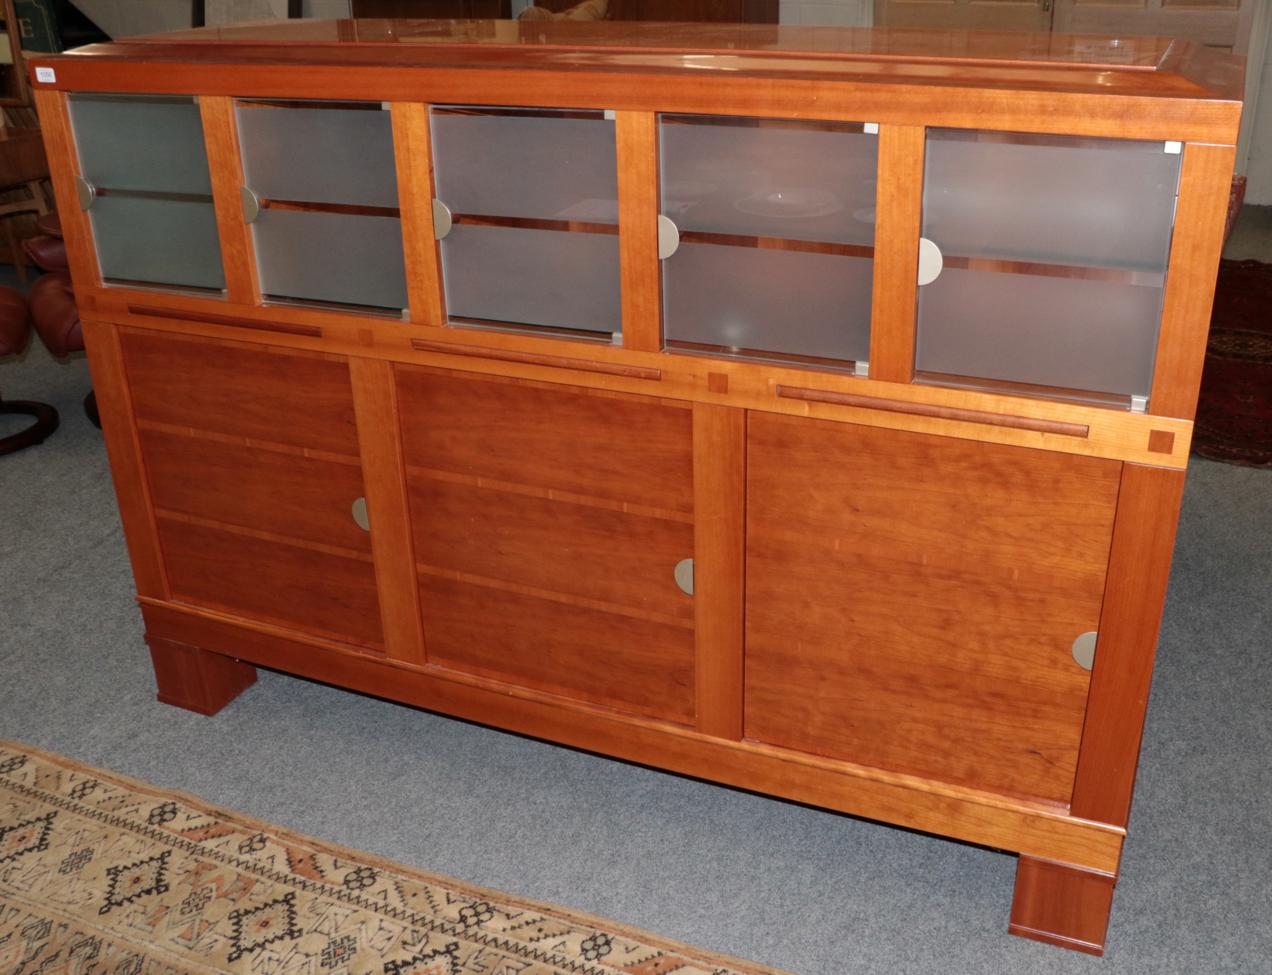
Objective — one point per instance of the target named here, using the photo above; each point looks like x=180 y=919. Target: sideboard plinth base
x=197 y=680
x=1062 y=905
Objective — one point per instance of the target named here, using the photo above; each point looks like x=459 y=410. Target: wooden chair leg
x=1062 y=905
x=195 y=679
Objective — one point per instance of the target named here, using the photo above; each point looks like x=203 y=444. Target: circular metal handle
x=1084 y=649
x=684 y=576
x=360 y=516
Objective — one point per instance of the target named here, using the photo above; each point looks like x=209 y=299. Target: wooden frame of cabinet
x=719 y=426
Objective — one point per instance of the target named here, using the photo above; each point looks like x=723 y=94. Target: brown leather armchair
x=15 y=332
x=52 y=299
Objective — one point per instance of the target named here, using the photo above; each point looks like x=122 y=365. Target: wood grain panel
x=1062 y=905
x=898 y=210
x=256 y=392
x=119 y=430
x=195 y=679
x=289 y=494
x=317 y=592
x=719 y=485
x=1139 y=569
x=583 y=654
x=977 y=817
x=555 y=437
x=413 y=152
x=571 y=549
x=225 y=166
x=912 y=601
x=1204 y=184
x=384 y=473
x=636 y=137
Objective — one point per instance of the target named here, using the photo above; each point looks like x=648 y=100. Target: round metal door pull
x=684 y=576
x=1084 y=649
x=360 y=516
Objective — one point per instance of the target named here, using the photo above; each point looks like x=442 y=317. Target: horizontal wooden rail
x=937 y=412
x=181 y=315
x=535 y=359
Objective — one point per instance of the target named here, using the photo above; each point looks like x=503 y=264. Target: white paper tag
x=47 y=75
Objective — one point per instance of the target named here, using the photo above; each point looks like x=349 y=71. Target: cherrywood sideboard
x=806 y=410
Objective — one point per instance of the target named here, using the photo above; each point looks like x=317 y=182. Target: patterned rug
x=1234 y=414
x=103 y=874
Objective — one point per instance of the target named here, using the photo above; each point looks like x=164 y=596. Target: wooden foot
x=1062 y=905
x=195 y=679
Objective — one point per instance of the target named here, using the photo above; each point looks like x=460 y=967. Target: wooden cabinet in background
x=732 y=400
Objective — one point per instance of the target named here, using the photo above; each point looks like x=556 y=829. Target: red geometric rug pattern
x=1234 y=413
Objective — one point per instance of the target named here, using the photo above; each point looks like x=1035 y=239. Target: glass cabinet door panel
x=318 y=152
x=1055 y=200
x=331 y=257
x=131 y=235
x=766 y=178
x=776 y=236
x=731 y=299
x=501 y=274
x=533 y=198
x=141 y=142
x=328 y=227
x=151 y=209
x=1055 y=252
x=550 y=165
x=1069 y=333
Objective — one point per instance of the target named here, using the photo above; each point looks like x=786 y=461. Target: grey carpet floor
x=805 y=890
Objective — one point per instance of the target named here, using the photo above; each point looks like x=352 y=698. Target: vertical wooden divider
x=1139 y=567
x=1205 y=182
x=719 y=504
x=413 y=149
x=77 y=231
x=898 y=216
x=225 y=165
x=636 y=137
x=384 y=481
x=119 y=430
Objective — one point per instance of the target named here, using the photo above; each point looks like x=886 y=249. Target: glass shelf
x=775 y=222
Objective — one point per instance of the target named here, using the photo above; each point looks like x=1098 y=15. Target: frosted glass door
x=531 y=225
x=1055 y=254
x=323 y=201
x=148 y=191
x=775 y=221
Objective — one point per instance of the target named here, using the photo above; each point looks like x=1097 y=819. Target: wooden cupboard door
x=912 y=600
x=547 y=524
x=251 y=458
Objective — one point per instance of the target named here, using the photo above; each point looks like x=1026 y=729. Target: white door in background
x=1216 y=23
x=1032 y=15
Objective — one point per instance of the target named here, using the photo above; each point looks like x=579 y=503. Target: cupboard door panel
x=239 y=390
x=556 y=438
x=548 y=522
x=608 y=659
x=288 y=494
x=571 y=549
x=320 y=592
x=912 y=600
x=252 y=462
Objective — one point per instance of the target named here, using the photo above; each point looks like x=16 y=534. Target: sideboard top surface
x=1149 y=66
